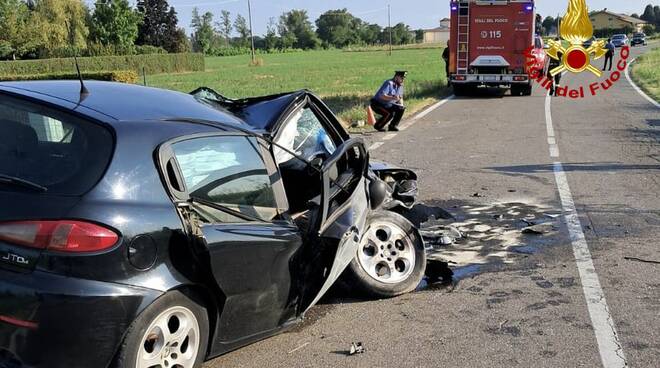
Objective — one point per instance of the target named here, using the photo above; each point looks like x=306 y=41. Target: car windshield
x=618 y=37
x=49 y=151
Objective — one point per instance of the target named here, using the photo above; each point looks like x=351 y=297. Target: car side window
x=304 y=135
x=227 y=171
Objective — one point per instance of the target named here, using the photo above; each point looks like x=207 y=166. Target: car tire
x=526 y=90
x=184 y=343
x=391 y=259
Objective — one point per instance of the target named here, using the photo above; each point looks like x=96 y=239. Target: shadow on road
x=571 y=167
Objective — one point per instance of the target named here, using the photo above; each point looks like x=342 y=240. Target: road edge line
x=411 y=121
x=425 y=112
x=609 y=346
x=637 y=88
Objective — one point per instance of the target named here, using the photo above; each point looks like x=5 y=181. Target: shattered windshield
x=304 y=135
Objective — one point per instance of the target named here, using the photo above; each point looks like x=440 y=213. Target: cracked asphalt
x=516 y=299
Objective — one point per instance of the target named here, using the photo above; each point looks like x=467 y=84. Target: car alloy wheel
x=171 y=340
x=387 y=253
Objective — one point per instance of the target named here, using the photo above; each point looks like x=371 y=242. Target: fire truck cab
x=490 y=41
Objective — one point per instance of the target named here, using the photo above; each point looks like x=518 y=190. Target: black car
x=638 y=39
x=148 y=228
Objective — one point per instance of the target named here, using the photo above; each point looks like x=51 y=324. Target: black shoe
x=393 y=129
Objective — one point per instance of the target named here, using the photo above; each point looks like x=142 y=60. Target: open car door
x=339 y=220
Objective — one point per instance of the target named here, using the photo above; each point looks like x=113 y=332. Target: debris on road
x=641 y=260
x=356 y=348
x=477 y=195
x=482 y=228
x=539 y=229
x=438 y=234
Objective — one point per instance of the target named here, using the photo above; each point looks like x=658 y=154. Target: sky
x=416 y=13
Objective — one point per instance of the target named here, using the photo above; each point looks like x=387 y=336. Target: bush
x=148 y=49
x=152 y=64
x=124 y=76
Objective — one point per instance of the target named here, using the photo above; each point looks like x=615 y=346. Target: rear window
x=64 y=154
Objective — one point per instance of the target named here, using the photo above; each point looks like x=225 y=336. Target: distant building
x=438 y=34
x=605 y=19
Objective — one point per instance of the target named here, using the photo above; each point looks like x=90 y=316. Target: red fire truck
x=488 y=43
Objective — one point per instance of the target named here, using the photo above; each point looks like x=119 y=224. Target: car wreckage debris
x=539 y=229
x=356 y=348
x=437 y=234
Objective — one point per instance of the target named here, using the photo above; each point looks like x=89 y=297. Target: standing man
x=610 y=53
x=388 y=102
x=445 y=57
x=553 y=64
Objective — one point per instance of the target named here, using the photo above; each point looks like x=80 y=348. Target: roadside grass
x=646 y=73
x=345 y=80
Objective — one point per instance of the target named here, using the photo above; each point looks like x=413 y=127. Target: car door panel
x=246 y=255
x=342 y=217
x=251 y=264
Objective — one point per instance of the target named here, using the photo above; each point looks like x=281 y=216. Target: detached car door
x=228 y=195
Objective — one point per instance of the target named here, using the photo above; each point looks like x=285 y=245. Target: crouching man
x=388 y=103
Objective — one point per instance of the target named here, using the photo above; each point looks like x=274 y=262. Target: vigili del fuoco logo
x=576 y=28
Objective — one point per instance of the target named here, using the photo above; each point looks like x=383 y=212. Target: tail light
x=61 y=236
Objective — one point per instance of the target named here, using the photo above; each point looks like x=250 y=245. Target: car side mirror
x=377 y=192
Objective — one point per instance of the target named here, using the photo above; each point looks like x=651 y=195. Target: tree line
x=651 y=15
x=294 y=30
x=59 y=28
x=62 y=28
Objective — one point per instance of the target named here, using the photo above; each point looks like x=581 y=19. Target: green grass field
x=646 y=73
x=345 y=80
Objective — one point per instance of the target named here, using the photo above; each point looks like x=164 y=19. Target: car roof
x=118 y=102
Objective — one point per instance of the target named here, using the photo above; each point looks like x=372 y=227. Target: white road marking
x=376 y=145
x=422 y=114
x=552 y=140
x=639 y=90
x=609 y=347
x=388 y=136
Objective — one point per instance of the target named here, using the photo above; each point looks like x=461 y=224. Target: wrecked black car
x=148 y=228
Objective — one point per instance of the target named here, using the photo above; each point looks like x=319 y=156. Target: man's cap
x=401 y=73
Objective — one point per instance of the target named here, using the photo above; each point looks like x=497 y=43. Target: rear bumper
x=53 y=321
x=490 y=79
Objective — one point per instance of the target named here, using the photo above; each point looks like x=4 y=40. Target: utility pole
x=251 y=33
x=389 y=24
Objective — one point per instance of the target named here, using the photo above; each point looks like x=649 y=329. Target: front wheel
x=391 y=259
x=172 y=332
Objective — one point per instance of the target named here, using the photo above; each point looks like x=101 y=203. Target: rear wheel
x=171 y=333
x=391 y=259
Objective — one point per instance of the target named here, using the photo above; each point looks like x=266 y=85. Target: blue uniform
x=389 y=88
x=391 y=112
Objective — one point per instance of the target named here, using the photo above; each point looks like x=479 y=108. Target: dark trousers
x=391 y=115
x=608 y=57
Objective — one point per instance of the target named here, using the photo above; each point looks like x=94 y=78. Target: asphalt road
x=516 y=299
